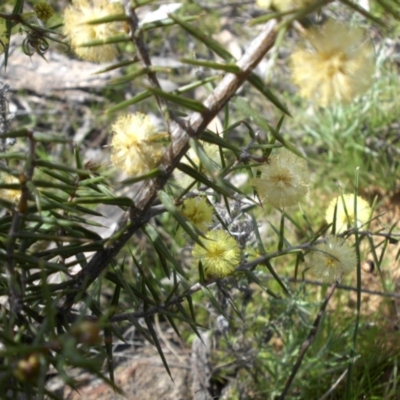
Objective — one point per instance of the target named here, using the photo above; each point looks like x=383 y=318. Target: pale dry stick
x=180 y=135
x=334 y=386
x=308 y=342
x=166 y=341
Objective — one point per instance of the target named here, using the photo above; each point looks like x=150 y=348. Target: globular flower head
x=76 y=17
x=198 y=212
x=338 y=67
x=11 y=195
x=134 y=146
x=284 y=180
x=220 y=256
x=331 y=259
x=345 y=215
x=283 y=5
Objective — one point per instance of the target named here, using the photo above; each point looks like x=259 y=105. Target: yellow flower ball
x=11 y=195
x=220 y=256
x=198 y=212
x=345 y=215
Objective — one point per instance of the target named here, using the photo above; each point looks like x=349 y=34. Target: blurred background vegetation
x=59 y=324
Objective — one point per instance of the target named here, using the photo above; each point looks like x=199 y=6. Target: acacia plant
x=185 y=225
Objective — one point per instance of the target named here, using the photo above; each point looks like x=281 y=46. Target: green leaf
x=157 y=344
x=253 y=277
x=276 y=276
x=108 y=19
x=53 y=202
x=134 y=100
x=67 y=179
x=364 y=12
x=165 y=22
x=117 y=201
x=213 y=300
x=195 y=84
x=146 y=94
x=108 y=337
x=148 y=175
x=243 y=106
x=233 y=68
x=191 y=322
x=258 y=83
x=138 y=73
x=202 y=37
x=201 y=178
x=213 y=138
x=182 y=101
x=110 y=40
x=121 y=64
x=16 y=134
x=61 y=167
x=18 y=8
x=49 y=138
x=161 y=248
x=54 y=185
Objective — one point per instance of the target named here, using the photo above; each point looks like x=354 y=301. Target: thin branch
x=15 y=285
x=245 y=266
x=334 y=386
x=160 y=308
x=136 y=36
x=180 y=135
x=308 y=342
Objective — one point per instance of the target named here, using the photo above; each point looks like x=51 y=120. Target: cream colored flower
x=264 y=3
x=134 y=146
x=345 y=215
x=338 y=67
x=220 y=256
x=76 y=17
x=284 y=5
x=284 y=180
x=198 y=212
x=330 y=260
x=11 y=195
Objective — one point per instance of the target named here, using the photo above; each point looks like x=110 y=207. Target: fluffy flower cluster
x=284 y=180
x=76 y=17
x=283 y=5
x=345 y=213
x=220 y=256
x=198 y=212
x=11 y=195
x=338 y=67
x=330 y=260
x=134 y=146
